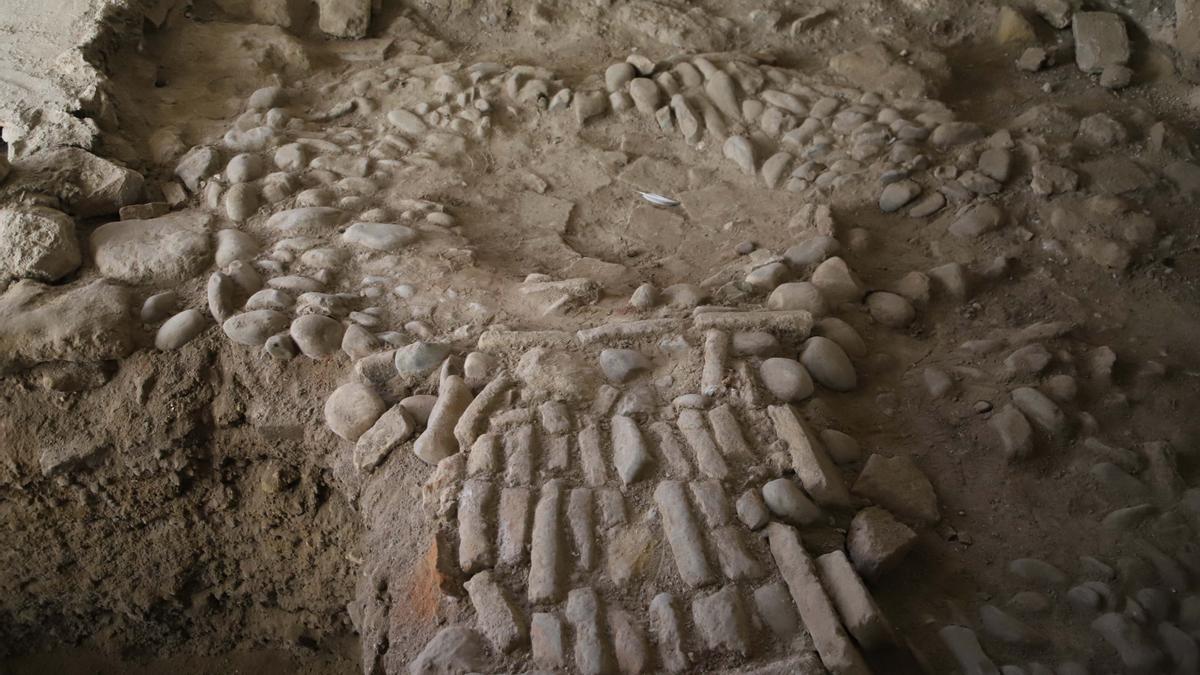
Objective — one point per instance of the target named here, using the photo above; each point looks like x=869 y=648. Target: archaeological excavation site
x=762 y=337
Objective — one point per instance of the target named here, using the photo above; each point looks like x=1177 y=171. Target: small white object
x=658 y=200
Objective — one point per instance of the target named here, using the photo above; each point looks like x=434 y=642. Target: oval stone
x=828 y=364
x=352 y=409
x=179 y=330
x=316 y=335
x=786 y=379
x=379 y=236
x=253 y=328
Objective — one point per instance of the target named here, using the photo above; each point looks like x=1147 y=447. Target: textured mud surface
x=590 y=337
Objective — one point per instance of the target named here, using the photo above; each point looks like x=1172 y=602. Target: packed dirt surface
x=449 y=336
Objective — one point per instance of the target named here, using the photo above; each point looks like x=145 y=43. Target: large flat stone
x=1100 y=40
x=37 y=244
x=897 y=484
x=344 y=18
x=875 y=67
x=87 y=185
x=43 y=323
x=455 y=649
x=282 y=13
x=169 y=249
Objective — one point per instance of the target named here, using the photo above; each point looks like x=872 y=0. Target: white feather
x=658 y=200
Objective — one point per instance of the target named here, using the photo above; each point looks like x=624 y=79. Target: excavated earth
x=454 y=336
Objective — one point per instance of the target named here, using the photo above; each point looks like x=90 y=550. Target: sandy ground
x=213 y=523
